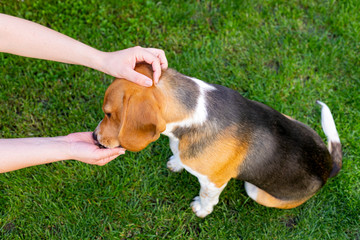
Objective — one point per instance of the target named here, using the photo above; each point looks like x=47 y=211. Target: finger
x=157 y=72
x=109 y=152
x=161 y=55
x=149 y=57
x=102 y=162
x=88 y=137
x=138 y=78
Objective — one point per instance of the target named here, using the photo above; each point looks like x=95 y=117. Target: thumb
x=139 y=78
x=102 y=154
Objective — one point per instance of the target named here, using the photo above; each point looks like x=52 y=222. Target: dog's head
x=133 y=116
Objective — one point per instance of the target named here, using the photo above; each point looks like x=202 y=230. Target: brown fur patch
x=144 y=69
x=268 y=200
x=219 y=161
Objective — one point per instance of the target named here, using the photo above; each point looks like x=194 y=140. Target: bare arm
x=29 y=39
x=26 y=152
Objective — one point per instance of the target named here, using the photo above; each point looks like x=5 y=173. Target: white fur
x=209 y=193
x=328 y=123
x=251 y=190
x=174 y=164
x=199 y=116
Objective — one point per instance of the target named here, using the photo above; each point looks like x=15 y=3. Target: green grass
x=286 y=54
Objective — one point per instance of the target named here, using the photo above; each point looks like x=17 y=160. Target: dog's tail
x=334 y=145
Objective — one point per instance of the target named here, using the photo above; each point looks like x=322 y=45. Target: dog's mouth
x=97 y=143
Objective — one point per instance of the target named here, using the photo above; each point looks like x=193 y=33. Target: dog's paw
x=174 y=165
x=198 y=209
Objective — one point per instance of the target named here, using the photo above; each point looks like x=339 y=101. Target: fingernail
x=148 y=83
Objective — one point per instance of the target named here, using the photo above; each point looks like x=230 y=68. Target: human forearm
x=26 y=152
x=44 y=43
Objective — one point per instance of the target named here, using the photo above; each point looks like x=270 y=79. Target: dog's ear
x=142 y=124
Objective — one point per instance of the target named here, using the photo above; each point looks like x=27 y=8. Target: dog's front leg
x=209 y=196
x=174 y=163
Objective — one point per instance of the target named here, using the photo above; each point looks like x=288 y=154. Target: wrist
x=68 y=149
x=97 y=61
x=63 y=146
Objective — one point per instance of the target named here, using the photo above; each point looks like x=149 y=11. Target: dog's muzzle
x=96 y=140
x=97 y=143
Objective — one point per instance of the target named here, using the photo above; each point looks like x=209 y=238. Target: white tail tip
x=328 y=123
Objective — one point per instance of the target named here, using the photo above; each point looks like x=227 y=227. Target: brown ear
x=144 y=69
x=142 y=124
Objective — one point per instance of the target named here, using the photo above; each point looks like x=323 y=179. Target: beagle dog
x=216 y=135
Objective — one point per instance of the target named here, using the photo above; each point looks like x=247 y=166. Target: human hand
x=82 y=147
x=121 y=64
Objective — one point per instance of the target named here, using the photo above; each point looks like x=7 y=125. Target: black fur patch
x=285 y=159
x=185 y=89
x=336 y=155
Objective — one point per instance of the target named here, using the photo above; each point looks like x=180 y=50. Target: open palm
x=83 y=148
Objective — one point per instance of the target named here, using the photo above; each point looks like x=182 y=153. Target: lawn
x=286 y=54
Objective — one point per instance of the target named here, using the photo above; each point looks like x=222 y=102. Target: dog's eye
x=108 y=115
